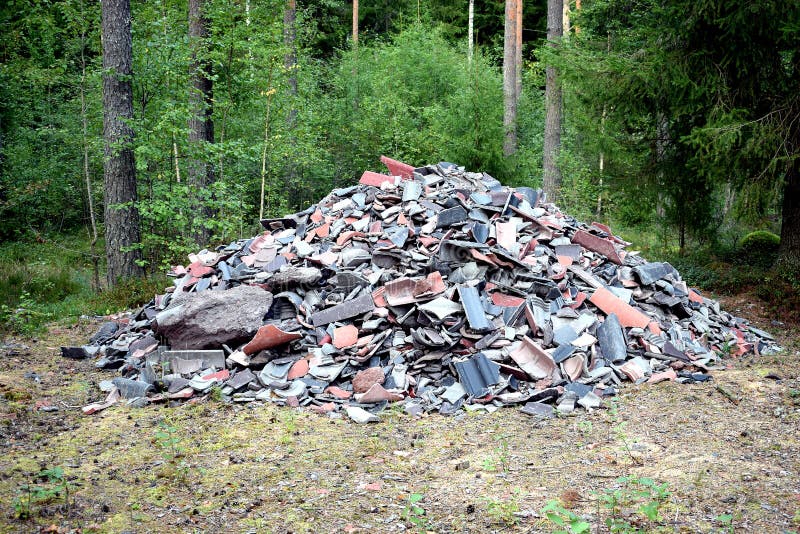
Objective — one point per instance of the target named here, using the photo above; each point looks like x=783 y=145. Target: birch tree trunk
x=470 y=29
x=290 y=64
x=119 y=170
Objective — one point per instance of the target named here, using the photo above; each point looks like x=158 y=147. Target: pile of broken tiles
x=432 y=287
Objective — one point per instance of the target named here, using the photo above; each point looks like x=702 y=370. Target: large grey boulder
x=210 y=318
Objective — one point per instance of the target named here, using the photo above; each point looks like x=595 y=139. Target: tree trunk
x=290 y=58
x=290 y=64
x=119 y=170
x=553 y=105
x=789 y=252
x=201 y=126
x=509 y=79
x=355 y=23
x=470 y=29
x=87 y=177
x=518 y=54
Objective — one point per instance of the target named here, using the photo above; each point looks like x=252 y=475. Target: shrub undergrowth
x=51 y=280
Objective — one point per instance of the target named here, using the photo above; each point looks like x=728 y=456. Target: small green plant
x=503 y=511
x=726 y=521
x=22 y=319
x=49 y=484
x=618 y=428
x=167 y=438
x=414 y=513
x=488 y=464
x=215 y=394
x=567 y=521
x=289 y=420
x=639 y=498
x=500 y=457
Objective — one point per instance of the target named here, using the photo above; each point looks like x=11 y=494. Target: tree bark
x=470 y=29
x=119 y=170
x=355 y=23
x=290 y=64
x=553 y=105
x=86 y=175
x=290 y=57
x=518 y=54
x=201 y=126
x=509 y=79
x=789 y=251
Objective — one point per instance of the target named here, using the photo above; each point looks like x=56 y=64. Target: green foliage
x=760 y=242
x=40 y=78
x=726 y=521
x=47 y=485
x=500 y=458
x=52 y=280
x=503 y=511
x=415 y=98
x=166 y=437
x=566 y=521
x=635 y=496
x=414 y=513
x=687 y=102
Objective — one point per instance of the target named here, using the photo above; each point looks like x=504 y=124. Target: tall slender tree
x=355 y=23
x=290 y=57
x=201 y=124
x=470 y=29
x=290 y=64
x=119 y=170
x=553 y=104
x=510 y=79
x=518 y=53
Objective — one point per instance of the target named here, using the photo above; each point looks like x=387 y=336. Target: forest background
x=681 y=128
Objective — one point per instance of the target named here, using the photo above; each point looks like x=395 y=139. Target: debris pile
x=432 y=287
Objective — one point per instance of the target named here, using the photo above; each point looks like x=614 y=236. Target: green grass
x=49 y=281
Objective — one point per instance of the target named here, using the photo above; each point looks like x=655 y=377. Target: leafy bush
x=759 y=248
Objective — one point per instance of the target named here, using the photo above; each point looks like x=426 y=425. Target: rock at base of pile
x=213 y=318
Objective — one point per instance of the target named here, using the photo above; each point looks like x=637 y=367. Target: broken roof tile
x=267 y=337
x=477 y=373
x=598 y=244
x=533 y=359
x=398 y=168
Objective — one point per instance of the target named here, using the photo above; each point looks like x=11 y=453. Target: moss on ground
x=264 y=468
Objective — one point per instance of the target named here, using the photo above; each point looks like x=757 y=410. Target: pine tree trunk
x=201 y=126
x=789 y=252
x=509 y=79
x=119 y=170
x=553 y=105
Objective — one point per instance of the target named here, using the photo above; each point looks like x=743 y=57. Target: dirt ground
x=723 y=456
